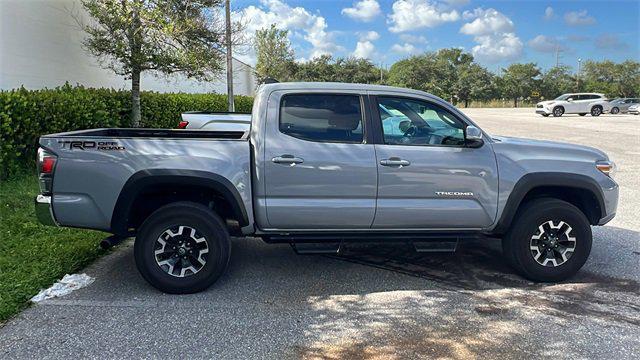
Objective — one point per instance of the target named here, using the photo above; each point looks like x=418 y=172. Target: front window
x=563 y=97
x=416 y=122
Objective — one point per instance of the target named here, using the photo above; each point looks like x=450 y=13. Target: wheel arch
x=579 y=190
x=181 y=180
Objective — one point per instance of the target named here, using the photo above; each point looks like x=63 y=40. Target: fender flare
x=152 y=177
x=531 y=181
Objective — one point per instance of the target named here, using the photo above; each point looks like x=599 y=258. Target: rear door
x=320 y=172
x=427 y=178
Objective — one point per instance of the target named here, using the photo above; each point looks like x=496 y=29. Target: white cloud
x=489 y=21
x=313 y=27
x=544 y=44
x=577 y=18
x=548 y=13
x=413 y=39
x=368 y=35
x=364 y=50
x=405 y=49
x=494 y=33
x=610 y=42
x=410 y=15
x=364 y=10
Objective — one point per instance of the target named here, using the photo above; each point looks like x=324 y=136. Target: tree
x=317 y=69
x=615 y=80
x=519 y=80
x=274 y=55
x=349 y=70
x=163 y=36
x=475 y=83
x=356 y=70
x=557 y=81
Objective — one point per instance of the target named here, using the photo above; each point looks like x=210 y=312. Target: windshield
x=563 y=97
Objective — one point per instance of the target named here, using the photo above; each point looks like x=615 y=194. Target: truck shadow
x=496 y=310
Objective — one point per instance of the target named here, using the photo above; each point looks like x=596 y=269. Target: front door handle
x=287 y=160
x=394 y=161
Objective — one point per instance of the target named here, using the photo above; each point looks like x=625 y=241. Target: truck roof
x=337 y=86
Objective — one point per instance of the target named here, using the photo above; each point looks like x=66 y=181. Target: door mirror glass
x=473 y=136
x=570 y=99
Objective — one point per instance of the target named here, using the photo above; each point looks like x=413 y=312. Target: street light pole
x=229 y=59
x=578 y=75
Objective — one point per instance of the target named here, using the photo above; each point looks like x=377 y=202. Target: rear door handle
x=287 y=160
x=394 y=161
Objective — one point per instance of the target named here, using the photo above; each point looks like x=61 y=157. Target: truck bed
x=94 y=165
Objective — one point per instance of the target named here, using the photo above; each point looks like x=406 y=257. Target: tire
x=558 y=111
x=582 y=114
x=545 y=115
x=172 y=226
x=556 y=217
x=615 y=110
x=596 y=110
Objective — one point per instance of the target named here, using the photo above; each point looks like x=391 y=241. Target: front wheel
x=182 y=248
x=558 y=111
x=549 y=240
x=615 y=110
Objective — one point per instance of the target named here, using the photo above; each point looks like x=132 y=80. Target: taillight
x=46 y=165
x=46 y=161
x=183 y=124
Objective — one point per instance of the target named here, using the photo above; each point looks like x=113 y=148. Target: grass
x=34 y=256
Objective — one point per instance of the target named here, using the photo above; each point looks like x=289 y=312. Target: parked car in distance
x=324 y=164
x=623 y=105
x=578 y=103
x=215 y=121
x=634 y=109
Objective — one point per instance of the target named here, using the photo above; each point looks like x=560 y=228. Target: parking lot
x=371 y=302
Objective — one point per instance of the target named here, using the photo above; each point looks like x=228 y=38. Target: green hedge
x=27 y=114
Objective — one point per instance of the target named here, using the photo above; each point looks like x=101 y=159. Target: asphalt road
x=382 y=302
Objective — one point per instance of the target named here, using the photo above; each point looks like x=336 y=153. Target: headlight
x=606 y=167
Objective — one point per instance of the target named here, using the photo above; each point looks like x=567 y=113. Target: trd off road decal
x=90 y=145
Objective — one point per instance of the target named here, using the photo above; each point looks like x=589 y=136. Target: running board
x=310 y=248
x=445 y=245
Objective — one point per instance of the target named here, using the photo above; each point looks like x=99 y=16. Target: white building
x=41 y=46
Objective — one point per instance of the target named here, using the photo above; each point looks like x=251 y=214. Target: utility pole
x=558 y=51
x=229 y=59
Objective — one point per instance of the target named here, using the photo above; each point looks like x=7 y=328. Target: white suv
x=580 y=103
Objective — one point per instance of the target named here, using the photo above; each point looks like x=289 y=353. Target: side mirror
x=473 y=137
x=570 y=99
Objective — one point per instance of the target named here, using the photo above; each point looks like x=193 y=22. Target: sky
x=497 y=33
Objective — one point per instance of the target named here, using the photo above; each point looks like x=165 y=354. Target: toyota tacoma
x=324 y=164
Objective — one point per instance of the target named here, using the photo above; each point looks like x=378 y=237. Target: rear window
x=322 y=117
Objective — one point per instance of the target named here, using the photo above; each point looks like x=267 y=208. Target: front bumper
x=543 y=111
x=44 y=211
x=634 y=111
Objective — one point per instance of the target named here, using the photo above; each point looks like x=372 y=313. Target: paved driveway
x=372 y=302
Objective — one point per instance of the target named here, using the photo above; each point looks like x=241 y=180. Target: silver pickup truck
x=322 y=165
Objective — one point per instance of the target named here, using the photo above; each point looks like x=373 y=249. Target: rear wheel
x=615 y=110
x=596 y=110
x=549 y=240
x=558 y=111
x=182 y=248
x=545 y=115
x=582 y=114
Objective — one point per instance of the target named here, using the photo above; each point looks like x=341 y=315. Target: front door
x=427 y=178
x=319 y=171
